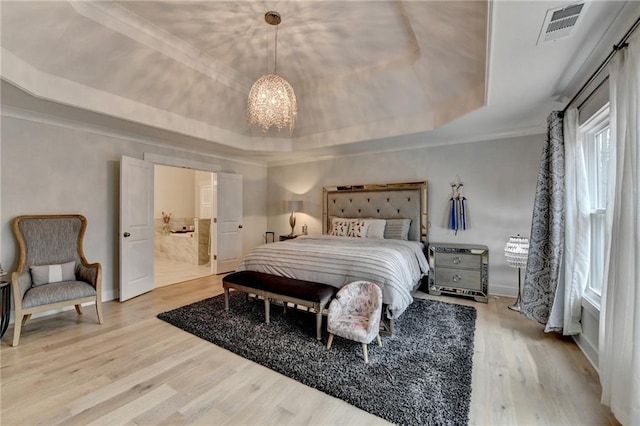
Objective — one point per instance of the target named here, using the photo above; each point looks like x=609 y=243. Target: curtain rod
x=621 y=45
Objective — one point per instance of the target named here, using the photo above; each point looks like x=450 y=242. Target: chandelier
x=272 y=101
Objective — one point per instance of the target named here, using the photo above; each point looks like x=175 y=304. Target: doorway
x=138 y=226
x=183 y=231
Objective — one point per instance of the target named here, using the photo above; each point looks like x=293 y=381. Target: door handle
x=126 y=235
x=240 y=226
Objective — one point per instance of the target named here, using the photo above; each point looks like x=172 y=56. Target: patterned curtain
x=539 y=295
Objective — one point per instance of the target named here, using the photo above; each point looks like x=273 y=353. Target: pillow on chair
x=46 y=274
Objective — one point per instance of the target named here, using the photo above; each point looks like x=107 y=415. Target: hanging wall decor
x=458 y=214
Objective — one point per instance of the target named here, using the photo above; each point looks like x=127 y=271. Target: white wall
x=51 y=168
x=174 y=192
x=499 y=183
x=57 y=168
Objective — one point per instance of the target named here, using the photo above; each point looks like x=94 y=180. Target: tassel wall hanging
x=458 y=215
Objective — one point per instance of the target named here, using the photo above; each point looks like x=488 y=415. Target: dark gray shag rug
x=421 y=375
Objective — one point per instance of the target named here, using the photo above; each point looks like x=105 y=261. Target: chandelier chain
x=266 y=49
x=275 y=62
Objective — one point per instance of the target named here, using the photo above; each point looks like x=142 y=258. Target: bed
x=396 y=262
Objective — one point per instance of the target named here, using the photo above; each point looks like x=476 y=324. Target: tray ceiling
x=364 y=72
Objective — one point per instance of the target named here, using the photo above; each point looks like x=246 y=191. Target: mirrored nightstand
x=459 y=269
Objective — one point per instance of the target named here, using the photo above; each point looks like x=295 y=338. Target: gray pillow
x=45 y=274
x=397 y=229
x=376 y=227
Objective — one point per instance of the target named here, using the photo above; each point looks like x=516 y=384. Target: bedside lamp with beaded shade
x=516 y=252
x=292 y=206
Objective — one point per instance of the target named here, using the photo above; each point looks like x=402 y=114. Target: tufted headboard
x=384 y=201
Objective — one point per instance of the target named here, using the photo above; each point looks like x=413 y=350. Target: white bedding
x=396 y=266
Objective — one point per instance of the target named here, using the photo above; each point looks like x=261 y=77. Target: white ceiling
x=364 y=72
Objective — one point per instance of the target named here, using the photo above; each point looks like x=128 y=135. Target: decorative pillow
x=376 y=227
x=339 y=227
x=46 y=274
x=397 y=229
x=358 y=228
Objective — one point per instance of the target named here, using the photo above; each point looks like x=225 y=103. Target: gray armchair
x=52 y=270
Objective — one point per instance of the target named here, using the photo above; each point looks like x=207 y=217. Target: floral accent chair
x=355 y=314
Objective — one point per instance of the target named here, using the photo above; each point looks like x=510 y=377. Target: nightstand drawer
x=458 y=260
x=459 y=278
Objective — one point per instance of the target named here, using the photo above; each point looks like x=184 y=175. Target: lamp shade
x=292 y=205
x=517 y=251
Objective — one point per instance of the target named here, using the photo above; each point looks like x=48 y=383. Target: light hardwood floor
x=136 y=369
x=168 y=272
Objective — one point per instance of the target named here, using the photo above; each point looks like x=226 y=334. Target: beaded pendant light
x=272 y=101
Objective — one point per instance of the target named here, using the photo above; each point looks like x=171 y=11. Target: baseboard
x=587 y=341
x=108 y=296
x=588 y=349
x=505 y=291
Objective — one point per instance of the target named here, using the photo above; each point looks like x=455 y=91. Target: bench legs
x=319 y=320
x=319 y=307
x=267 y=305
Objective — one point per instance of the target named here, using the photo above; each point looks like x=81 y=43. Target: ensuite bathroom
x=183 y=211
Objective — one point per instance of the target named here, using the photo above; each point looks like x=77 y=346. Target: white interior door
x=136 y=227
x=206 y=201
x=227 y=234
x=205 y=207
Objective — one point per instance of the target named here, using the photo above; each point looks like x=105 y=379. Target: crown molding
x=37 y=117
x=440 y=141
x=69 y=93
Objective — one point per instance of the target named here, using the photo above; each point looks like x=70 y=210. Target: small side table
x=287 y=237
x=5 y=305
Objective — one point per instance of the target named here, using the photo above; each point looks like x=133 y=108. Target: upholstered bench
x=288 y=290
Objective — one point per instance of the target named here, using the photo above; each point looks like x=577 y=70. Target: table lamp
x=292 y=206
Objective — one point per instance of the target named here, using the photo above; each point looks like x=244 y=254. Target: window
x=596 y=134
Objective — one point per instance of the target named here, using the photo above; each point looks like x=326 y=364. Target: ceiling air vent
x=561 y=22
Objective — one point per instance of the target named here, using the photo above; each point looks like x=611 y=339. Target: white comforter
x=396 y=266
